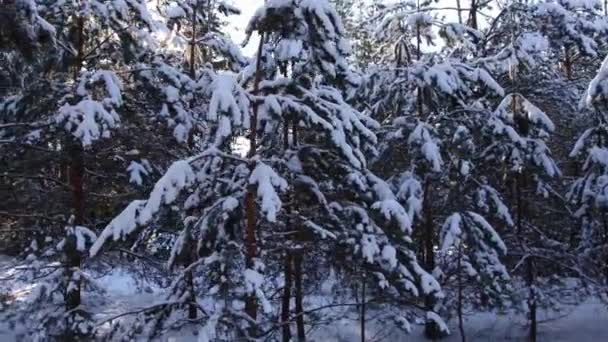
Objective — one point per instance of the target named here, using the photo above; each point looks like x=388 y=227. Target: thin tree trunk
x=193 y=41
x=77 y=182
x=431 y=329
x=531 y=299
x=287 y=267
x=363 y=307
x=250 y=205
x=419 y=95
x=287 y=272
x=189 y=278
x=80 y=49
x=294 y=131
x=519 y=200
x=72 y=294
x=459 y=9
x=428 y=228
x=76 y=173
x=72 y=290
x=428 y=235
x=72 y=300
x=473 y=15
x=76 y=179
x=192 y=307
x=299 y=296
x=204 y=53
x=605 y=240
x=286 y=134
x=605 y=224
x=286 y=124
x=418 y=39
x=460 y=285
x=567 y=63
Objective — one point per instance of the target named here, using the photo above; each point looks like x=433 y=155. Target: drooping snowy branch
x=268 y=182
x=139 y=213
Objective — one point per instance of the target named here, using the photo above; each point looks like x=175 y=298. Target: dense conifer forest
x=354 y=170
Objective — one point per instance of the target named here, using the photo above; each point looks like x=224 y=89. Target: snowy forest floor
x=125 y=292
x=586 y=322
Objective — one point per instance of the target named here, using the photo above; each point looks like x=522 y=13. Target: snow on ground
x=586 y=322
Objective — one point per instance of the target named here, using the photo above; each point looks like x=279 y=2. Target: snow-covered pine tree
x=521 y=134
x=75 y=102
x=23 y=33
x=575 y=29
x=43 y=315
x=192 y=43
x=214 y=104
x=209 y=240
x=438 y=107
x=199 y=25
x=588 y=192
x=297 y=194
x=521 y=129
x=472 y=251
x=311 y=104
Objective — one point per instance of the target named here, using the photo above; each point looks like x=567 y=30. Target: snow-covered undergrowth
x=121 y=293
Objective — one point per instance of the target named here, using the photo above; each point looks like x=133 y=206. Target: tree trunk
x=420 y=90
x=299 y=296
x=431 y=329
x=567 y=63
x=294 y=132
x=72 y=295
x=473 y=15
x=519 y=202
x=251 y=246
x=460 y=285
x=76 y=168
x=429 y=235
x=80 y=48
x=76 y=176
x=286 y=134
x=250 y=205
x=459 y=9
x=73 y=256
x=72 y=298
x=76 y=181
x=192 y=308
x=531 y=299
x=605 y=241
x=189 y=278
x=418 y=42
x=193 y=41
x=286 y=128
x=287 y=272
x=363 y=307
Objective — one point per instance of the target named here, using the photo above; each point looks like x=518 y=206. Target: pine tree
x=587 y=191
x=62 y=118
x=296 y=98
x=444 y=104
x=521 y=57
x=389 y=166
x=573 y=29
x=311 y=157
